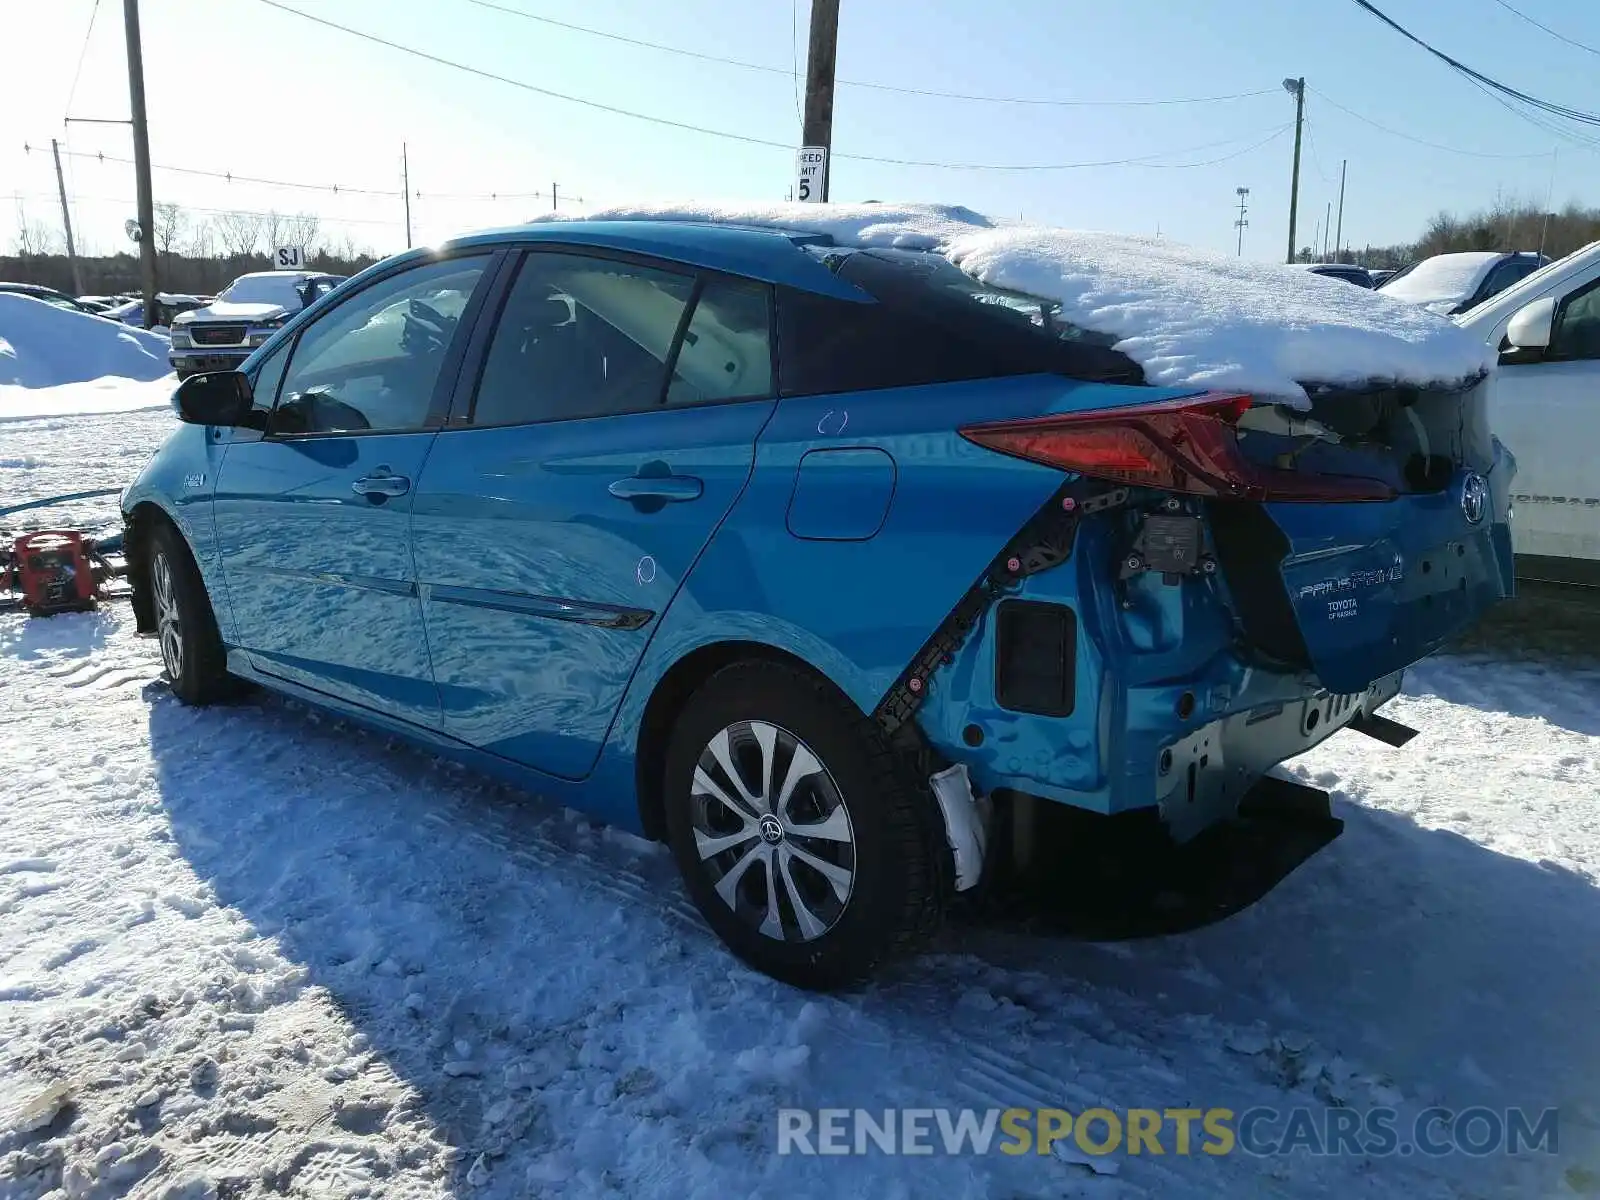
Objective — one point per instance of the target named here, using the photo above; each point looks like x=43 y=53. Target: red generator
x=53 y=573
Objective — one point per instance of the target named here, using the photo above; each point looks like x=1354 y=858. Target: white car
x=1545 y=406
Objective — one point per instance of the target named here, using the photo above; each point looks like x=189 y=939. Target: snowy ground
x=251 y=951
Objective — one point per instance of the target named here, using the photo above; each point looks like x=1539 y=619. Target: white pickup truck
x=1546 y=408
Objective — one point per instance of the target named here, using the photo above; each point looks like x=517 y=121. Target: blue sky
x=235 y=85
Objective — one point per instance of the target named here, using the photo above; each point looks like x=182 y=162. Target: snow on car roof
x=1444 y=277
x=1187 y=317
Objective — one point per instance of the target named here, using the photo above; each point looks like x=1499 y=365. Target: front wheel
x=192 y=655
x=799 y=835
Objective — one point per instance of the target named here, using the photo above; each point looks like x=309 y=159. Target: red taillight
x=1186 y=445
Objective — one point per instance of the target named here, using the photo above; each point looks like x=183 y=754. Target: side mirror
x=1532 y=326
x=218 y=398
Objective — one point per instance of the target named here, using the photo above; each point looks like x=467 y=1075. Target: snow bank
x=42 y=346
x=1189 y=318
x=105 y=395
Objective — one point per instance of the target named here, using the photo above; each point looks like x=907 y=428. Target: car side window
x=1503 y=276
x=1577 y=329
x=264 y=388
x=372 y=363
x=727 y=346
x=580 y=337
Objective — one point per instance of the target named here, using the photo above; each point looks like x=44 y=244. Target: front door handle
x=381 y=484
x=657 y=489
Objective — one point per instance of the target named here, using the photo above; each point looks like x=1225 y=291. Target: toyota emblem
x=1474 y=498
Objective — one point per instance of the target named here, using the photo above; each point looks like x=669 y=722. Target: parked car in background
x=784 y=552
x=1452 y=283
x=220 y=335
x=1546 y=407
x=168 y=307
x=1381 y=275
x=1348 y=272
x=51 y=296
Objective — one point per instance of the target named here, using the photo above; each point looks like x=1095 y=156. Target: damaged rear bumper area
x=1202 y=777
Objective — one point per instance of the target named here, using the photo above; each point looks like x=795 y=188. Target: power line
x=332 y=188
x=524 y=85
x=794 y=56
x=859 y=83
x=1271 y=137
x=230 y=177
x=213 y=212
x=1350 y=112
x=1142 y=160
x=83 y=52
x=1316 y=159
x=1461 y=68
x=1136 y=160
x=1560 y=37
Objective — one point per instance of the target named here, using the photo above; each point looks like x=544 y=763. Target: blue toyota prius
x=831 y=567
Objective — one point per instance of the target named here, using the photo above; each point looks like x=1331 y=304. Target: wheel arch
x=139 y=523
x=671 y=691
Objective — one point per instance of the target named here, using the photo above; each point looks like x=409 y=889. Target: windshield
x=265 y=289
x=1443 y=277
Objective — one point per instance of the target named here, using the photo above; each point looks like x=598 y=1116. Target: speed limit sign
x=811 y=175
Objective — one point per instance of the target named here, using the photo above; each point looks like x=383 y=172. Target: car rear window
x=931 y=323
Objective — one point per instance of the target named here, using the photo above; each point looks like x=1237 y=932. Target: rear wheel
x=799 y=835
x=192 y=654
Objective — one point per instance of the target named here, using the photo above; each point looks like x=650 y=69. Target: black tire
x=895 y=856
x=192 y=655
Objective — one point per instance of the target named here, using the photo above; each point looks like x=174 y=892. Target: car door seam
x=683 y=579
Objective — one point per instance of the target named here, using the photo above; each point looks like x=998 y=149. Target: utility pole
x=817 y=129
x=1297 y=89
x=66 y=221
x=405 y=182
x=141 y=160
x=555 y=192
x=1240 y=224
x=1327 y=228
x=1338 y=237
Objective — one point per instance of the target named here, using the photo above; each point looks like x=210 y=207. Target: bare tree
x=272 y=227
x=172 y=223
x=238 y=234
x=301 y=230
x=202 y=240
x=33 y=237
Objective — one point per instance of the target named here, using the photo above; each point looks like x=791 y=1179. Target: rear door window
x=582 y=336
x=726 y=352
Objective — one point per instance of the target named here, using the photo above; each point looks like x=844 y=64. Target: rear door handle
x=381 y=484
x=662 y=489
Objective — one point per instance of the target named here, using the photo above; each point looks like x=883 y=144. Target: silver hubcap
x=168 y=624
x=773 y=832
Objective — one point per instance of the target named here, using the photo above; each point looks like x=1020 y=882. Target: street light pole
x=1297 y=89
